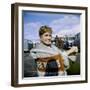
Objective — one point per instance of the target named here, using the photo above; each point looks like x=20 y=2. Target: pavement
x=29 y=66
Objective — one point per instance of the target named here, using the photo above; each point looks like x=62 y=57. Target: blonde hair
x=44 y=29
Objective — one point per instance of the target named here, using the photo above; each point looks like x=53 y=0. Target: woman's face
x=46 y=38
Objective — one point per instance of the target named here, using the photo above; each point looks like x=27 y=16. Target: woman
x=50 y=60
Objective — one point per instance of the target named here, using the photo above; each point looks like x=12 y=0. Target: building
x=28 y=44
x=77 y=41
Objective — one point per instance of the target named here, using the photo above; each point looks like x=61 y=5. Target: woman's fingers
x=74 y=49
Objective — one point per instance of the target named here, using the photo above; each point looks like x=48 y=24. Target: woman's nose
x=49 y=37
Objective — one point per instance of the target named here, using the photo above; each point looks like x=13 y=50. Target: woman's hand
x=73 y=49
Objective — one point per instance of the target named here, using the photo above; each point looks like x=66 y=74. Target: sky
x=61 y=23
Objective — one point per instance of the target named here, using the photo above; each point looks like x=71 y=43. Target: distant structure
x=77 y=41
x=63 y=42
x=59 y=42
x=28 y=44
x=67 y=41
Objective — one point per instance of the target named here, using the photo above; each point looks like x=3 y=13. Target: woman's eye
x=46 y=35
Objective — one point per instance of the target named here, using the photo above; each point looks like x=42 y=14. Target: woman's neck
x=46 y=44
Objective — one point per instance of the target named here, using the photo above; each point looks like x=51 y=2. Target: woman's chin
x=47 y=44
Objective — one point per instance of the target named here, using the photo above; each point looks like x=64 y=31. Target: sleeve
x=66 y=59
x=33 y=54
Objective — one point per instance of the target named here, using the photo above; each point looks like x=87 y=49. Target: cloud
x=66 y=23
x=73 y=31
x=31 y=30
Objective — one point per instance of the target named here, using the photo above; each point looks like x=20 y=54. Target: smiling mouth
x=49 y=41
